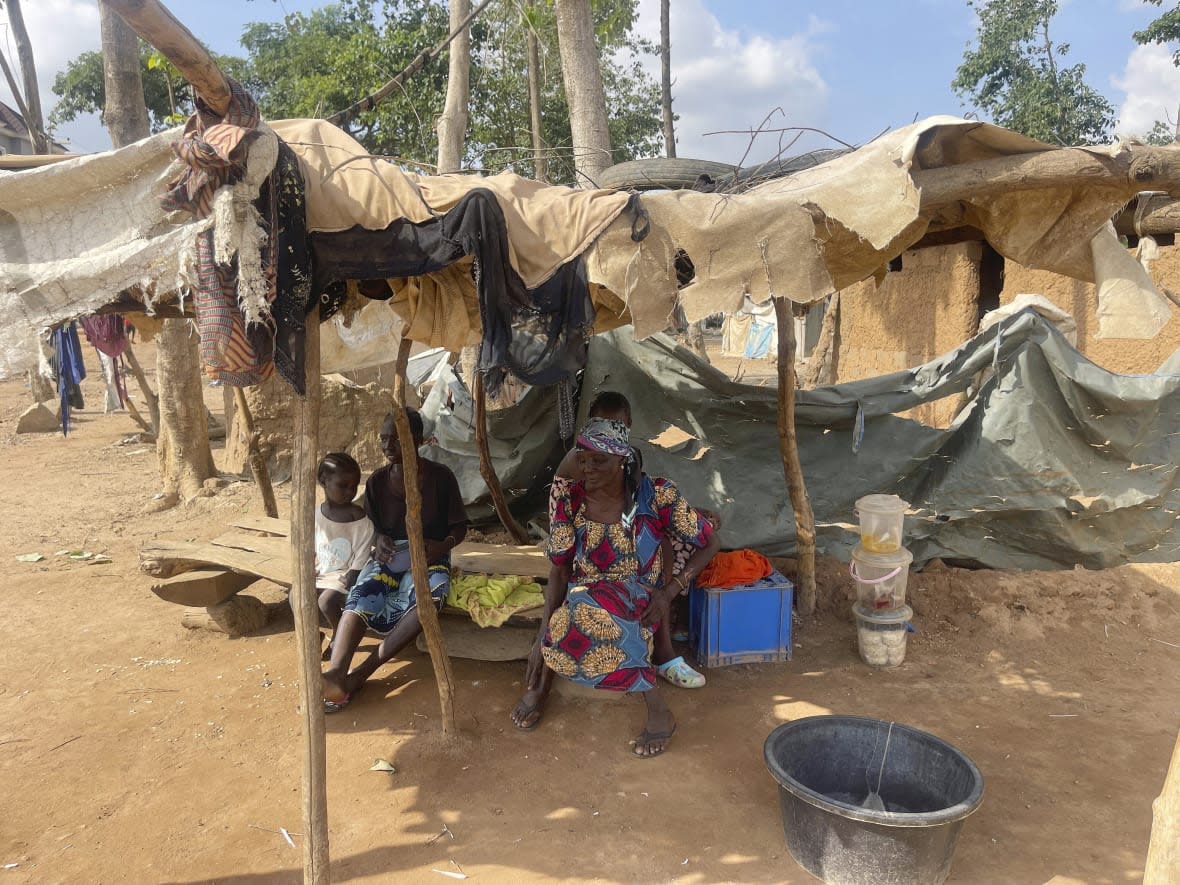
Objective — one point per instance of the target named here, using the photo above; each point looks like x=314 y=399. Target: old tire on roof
x=663 y=173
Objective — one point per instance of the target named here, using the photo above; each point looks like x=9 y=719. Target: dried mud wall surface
x=1129 y=357
x=928 y=307
x=350 y=419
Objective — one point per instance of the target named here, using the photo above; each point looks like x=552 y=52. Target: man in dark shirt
x=383 y=597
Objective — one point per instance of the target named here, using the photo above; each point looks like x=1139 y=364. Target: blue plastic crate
x=748 y=624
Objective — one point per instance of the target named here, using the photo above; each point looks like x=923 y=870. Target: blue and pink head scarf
x=606 y=435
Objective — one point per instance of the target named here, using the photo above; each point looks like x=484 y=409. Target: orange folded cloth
x=734 y=568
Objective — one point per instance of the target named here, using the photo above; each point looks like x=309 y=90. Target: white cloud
x=1152 y=86
x=59 y=30
x=726 y=79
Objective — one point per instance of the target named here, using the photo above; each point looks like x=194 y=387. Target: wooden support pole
x=257 y=461
x=149 y=396
x=789 y=448
x=1163 y=851
x=307 y=613
x=487 y=470
x=152 y=21
x=1136 y=168
x=427 y=614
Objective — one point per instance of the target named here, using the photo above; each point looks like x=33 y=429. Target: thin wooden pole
x=149 y=396
x=487 y=470
x=307 y=614
x=427 y=614
x=257 y=462
x=152 y=21
x=789 y=449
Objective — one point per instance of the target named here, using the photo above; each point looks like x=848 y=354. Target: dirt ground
x=134 y=750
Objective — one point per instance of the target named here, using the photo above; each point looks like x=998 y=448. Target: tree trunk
x=183 y=444
x=789 y=449
x=427 y=614
x=540 y=161
x=452 y=125
x=125 y=114
x=583 y=90
x=178 y=414
x=666 y=78
x=1163 y=851
x=28 y=72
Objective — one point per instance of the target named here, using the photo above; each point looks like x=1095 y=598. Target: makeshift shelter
x=289 y=223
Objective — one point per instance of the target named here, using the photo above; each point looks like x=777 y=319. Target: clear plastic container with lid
x=881 y=520
x=881 y=578
x=881 y=635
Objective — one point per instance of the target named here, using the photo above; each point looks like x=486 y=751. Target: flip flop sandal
x=645 y=739
x=337 y=706
x=528 y=710
x=679 y=673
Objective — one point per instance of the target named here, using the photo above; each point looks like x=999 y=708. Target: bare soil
x=134 y=750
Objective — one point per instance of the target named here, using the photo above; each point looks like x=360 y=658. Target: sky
x=852 y=68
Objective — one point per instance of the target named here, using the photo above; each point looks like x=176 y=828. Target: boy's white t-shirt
x=340 y=547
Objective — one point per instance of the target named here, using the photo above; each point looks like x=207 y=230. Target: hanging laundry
x=253 y=273
x=67 y=357
x=539 y=335
x=108 y=334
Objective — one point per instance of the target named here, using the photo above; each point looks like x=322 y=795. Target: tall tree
x=313 y=64
x=452 y=125
x=182 y=445
x=533 y=74
x=666 y=77
x=583 y=89
x=81 y=87
x=1015 y=74
x=31 y=97
x=124 y=112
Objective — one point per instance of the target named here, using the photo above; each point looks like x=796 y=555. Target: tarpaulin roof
x=76 y=234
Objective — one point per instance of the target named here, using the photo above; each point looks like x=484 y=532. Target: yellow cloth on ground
x=493 y=599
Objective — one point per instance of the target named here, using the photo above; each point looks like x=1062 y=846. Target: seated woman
x=383 y=599
x=607 y=592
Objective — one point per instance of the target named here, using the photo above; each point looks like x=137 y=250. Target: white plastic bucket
x=881 y=519
x=881 y=578
x=881 y=635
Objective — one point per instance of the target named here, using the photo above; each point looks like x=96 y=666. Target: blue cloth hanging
x=70 y=371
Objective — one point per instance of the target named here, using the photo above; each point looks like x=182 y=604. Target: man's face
x=390 y=444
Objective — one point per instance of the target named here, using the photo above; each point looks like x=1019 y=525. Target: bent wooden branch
x=789 y=448
x=1136 y=168
x=488 y=470
x=254 y=454
x=427 y=614
x=152 y=21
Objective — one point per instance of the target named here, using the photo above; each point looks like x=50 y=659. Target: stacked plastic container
x=881 y=568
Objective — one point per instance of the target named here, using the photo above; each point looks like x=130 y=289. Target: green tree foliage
x=1016 y=75
x=167 y=94
x=314 y=64
x=1165 y=29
